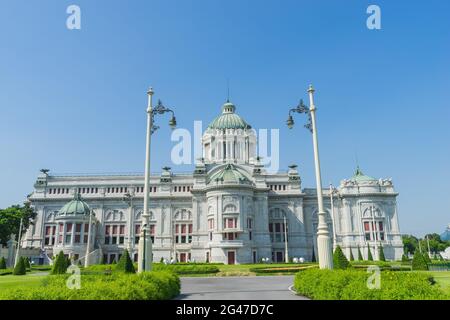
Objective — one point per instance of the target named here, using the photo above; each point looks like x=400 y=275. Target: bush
x=60 y=264
x=360 y=256
x=125 y=264
x=418 y=262
x=381 y=254
x=339 y=259
x=27 y=263
x=2 y=263
x=405 y=258
x=144 y=286
x=20 y=268
x=369 y=254
x=352 y=285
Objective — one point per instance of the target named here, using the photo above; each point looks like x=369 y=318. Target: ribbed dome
x=75 y=207
x=229 y=174
x=229 y=119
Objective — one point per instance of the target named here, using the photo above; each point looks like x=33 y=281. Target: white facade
x=228 y=210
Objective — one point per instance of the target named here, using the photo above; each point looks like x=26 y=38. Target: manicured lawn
x=28 y=280
x=443 y=279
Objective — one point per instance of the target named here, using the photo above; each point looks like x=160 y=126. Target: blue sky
x=74 y=101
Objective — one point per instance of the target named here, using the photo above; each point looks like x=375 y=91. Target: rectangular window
x=277 y=232
x=183 y=233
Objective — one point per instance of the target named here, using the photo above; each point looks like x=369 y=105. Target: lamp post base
x=324 y=249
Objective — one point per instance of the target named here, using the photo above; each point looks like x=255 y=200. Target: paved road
x=238 y=288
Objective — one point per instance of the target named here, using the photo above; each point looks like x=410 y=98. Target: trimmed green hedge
x=144 y=286
x=352 y=285
x=187 y=268
x=290 y=269
x=5 y=272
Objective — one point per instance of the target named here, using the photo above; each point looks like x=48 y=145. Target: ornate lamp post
x=128 y=199
x=88 y=245
x=333 y=191
x=286 y=252
x=324 y=247
x=145 y=242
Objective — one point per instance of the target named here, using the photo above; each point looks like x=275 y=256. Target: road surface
x=238 y=288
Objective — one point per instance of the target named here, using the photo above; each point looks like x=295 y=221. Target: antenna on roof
x=228 y=90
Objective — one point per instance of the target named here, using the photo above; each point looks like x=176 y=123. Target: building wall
x=267 y=200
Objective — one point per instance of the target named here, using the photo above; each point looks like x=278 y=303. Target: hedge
x=352 y=285
x=184 y=268
x=5 y=272
x=120 y=286
x=293 y=269
x=187 y=268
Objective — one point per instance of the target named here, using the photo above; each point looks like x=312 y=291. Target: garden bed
x=145 y=286
x=353 y=285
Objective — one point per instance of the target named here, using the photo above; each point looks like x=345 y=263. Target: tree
x=369 y=254
x=351 y=255
x=410 y=243
x=20 y=268
x=125 y=264
x=60 y=264
x=339 y=259
x=404 y=258
x=2 y=263
x=360 y=256
x=381 y=254
x=418 y=262
x=10 y=220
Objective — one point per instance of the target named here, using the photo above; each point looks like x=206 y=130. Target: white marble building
x=228 y=210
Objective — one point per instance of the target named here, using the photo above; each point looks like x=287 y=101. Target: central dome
x=228 y=119
x=75 y=207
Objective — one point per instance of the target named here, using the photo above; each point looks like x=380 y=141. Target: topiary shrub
x=381 y=254
x=60 y=264
x=360 y=256
x=418 y=262
x=2 y=263
x=27 y=263
x=125 y=264
x=405 y=258
x=369 y=253
x=20 y=268
x=426 y=257
x=339 y=259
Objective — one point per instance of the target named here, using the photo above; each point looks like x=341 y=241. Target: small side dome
x=75 y=207
x=359 y=176
x=229 y=175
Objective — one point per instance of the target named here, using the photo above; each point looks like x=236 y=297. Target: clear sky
x=74 y=101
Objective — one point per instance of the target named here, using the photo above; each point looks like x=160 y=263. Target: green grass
x=442 y=278
x=25 y=281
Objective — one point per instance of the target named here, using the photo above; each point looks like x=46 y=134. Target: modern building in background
x=229 y=209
